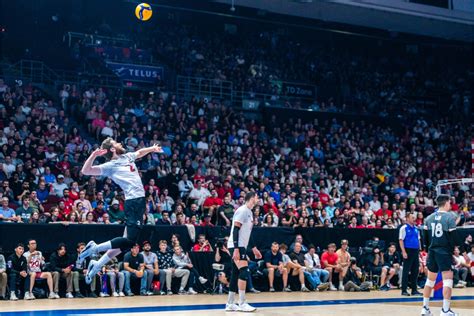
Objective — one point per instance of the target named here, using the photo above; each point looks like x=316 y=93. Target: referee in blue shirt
x=409 y=238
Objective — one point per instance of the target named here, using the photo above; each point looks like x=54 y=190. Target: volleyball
x=143 y=11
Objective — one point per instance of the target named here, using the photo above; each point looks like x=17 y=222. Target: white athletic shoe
x=202 y=280
x=231 y=308
x=13 y=296
x=89 y=250
x=29 y=296
x=115 y=294
x=56 y=295
x=121 y=294
x=305 y=289
x=332 y=288
x=69 y=295
x=191 y=291
x=448 y=313
x=93 y=269
x=52 y=295
x=341 y=288
x=246 y=308
x=102 y=294
x=426 y=312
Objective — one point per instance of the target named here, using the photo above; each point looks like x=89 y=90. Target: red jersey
x=381 y=213
x=210 y=201
x=324 y=198
x=197 y=247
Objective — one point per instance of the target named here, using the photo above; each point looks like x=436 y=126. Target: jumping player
x=241 y=229
x=122 y=170
x=440 y=229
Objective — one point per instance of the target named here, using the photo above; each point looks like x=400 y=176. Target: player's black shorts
x=439 y=261
x=242 y=252
x=134 y=210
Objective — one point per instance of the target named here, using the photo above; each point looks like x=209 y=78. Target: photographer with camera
x=353 y=281
x=223 y=258
x=202 y=245
x=377 y=263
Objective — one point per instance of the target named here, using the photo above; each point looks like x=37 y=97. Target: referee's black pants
x=411 y=265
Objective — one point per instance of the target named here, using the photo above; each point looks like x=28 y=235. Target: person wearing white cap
x=59 y=186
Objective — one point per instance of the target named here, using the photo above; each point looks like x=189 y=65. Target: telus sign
x=133 y=72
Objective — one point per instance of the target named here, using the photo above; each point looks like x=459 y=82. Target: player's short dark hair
x=442 y=199
x=249 y=196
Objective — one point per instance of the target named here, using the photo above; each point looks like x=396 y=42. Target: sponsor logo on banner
x=298 y=90
x=133 y=72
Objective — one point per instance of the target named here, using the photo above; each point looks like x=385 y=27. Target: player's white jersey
x=124 y=172
x=244 y=216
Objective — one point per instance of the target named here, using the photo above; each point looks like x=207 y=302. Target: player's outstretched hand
x=157 y=148
x=99 y=152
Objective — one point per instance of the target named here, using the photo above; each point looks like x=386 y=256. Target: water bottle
x=104 y=283
x=220 y=288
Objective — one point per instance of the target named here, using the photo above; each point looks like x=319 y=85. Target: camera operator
x=353 y=278
x=223 y=257
x=377 y=263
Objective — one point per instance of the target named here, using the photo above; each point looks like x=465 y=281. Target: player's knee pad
x=244 y=273
x=448 y=283
x=430 y=283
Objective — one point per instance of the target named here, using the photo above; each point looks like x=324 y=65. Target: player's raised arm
x=88 y=169
x=145 y=151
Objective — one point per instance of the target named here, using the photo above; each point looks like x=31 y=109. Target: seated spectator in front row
x=202 y=245
x=274 y=267
x=392 y=262
x=113 y=273
x=330 y=263
x=319 y=276
x=297 y=265
x=35 y=263
x=343 y=260
x=460 y=268
x=134 y=268
x=3 y=277
x=182 y=261
x=165 y=262
x=151 y=266
x=18 y=272
x=61 y=263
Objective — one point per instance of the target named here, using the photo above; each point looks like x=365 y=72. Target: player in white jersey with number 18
x=122 y=170
x=240 y=232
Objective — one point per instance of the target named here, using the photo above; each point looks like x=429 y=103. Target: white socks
x=426 y=302
x=446 y=305
x=241 y=296
x=106 y=257
x=231 y=298
x=104 y=246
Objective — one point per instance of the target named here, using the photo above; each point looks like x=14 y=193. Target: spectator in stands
x=3 y=277
x=329 y=261
x=185 y=186
x=182 y=261
x=61 y=263
x=199 y=193
x=344 y=261
x=86 y=204
x=165 y=261
x=7 y=214
x=298 y=265
x=134 y=269
x=116 y=277
x=223 y=256
x=35 y=263
x=225 y=211
x=151 y=266
x=320 y=276
x=392 y=263
x=274 y=267
x=17 y=268
x=24 y=212
x=164 y=220
x=79 y=272
x=202 y=244
x=116 y=215
x=299 y=239
x=460 y=268
x=59 y=186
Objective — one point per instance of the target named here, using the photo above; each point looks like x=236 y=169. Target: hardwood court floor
x=269 y=304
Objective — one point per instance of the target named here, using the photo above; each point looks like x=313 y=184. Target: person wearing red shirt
x=324 y=197
x=68 y=202
x=271 y=205
x=226 y=188
x=329 y=262
x=206 y=221
x=211 y=203
x=64 y=164
x=384 y=210
x=202 y=245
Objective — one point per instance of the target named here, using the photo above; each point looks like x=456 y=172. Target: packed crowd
x=147 y=271
x=308 y=174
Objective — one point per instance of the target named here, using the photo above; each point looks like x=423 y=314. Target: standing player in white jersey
x=440 y=232
x=122 y=170
x=242 y=223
